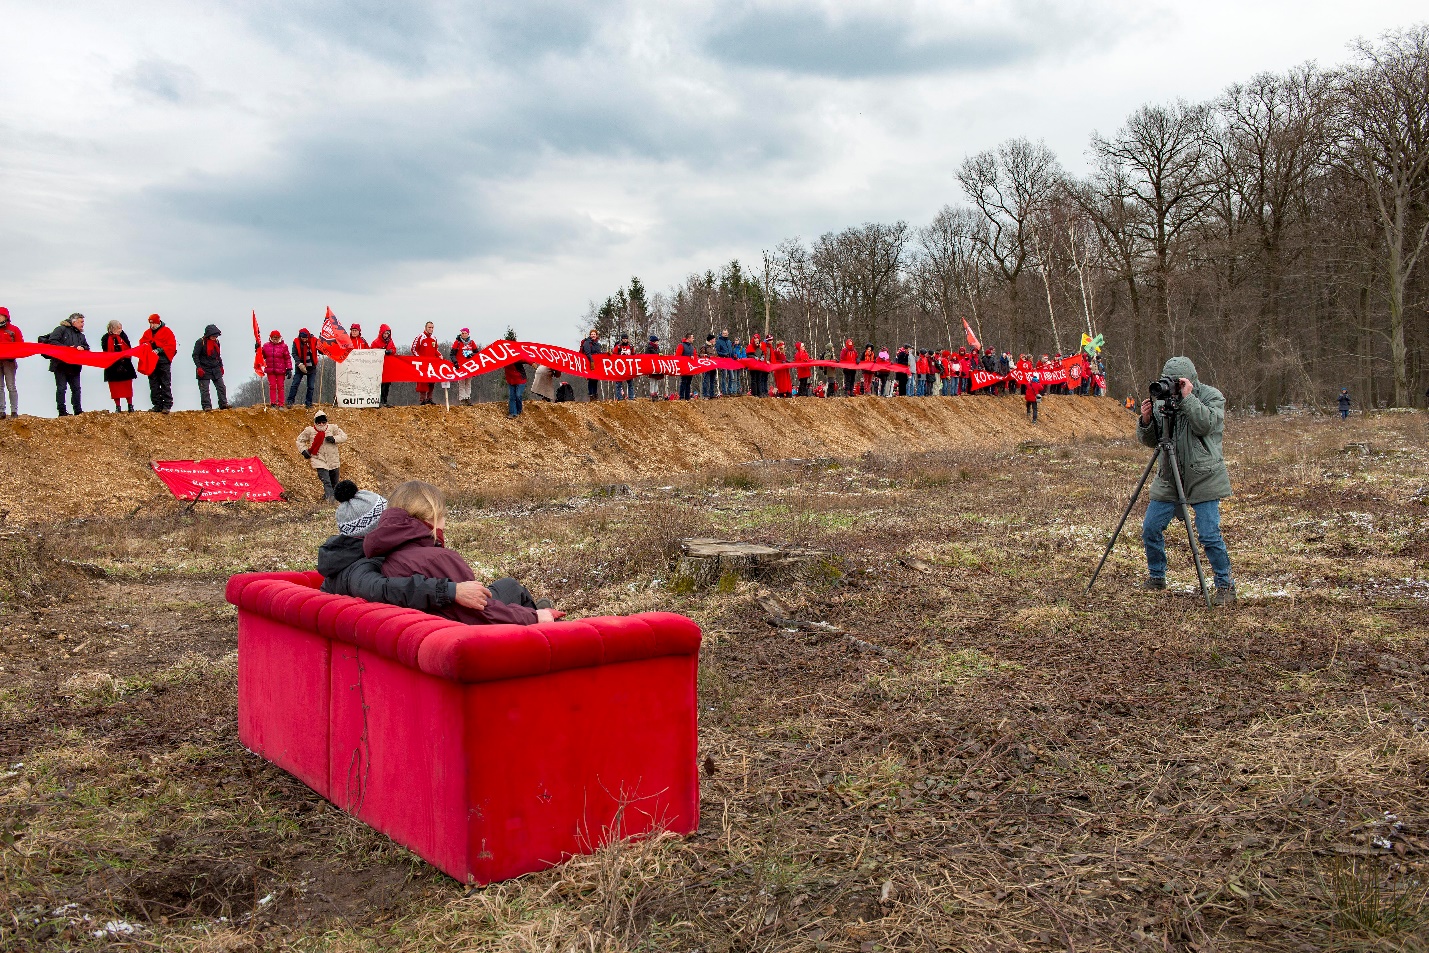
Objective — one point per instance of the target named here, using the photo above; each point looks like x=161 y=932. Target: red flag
x=333 y=337
x=972 y=338
x=258 y=367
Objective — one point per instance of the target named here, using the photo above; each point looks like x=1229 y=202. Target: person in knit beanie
x=346 y=571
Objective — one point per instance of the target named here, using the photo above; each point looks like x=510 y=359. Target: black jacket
x=64 y=336
x=209 y=364
x=119 y=370
x=347 y=572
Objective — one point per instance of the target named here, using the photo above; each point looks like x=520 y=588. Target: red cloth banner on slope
x=219 y=480
x=73 y=355
x=604 y=367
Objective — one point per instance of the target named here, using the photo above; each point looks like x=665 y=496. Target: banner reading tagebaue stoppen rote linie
x=620 y=367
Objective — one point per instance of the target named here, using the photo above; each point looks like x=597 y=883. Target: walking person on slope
x=208 y=368
x=1032 y=394
x=318 y=445
x=121 y=374
x=277 y=365
x=9 y=334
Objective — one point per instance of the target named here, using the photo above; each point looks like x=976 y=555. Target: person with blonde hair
x=410 y=536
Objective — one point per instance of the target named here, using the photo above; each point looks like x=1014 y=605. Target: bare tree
x=1385 y=145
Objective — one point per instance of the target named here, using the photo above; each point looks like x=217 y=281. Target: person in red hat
x=161 y=339
x=277 y=365
x=425 y=345
x=783 y=381
x=9 y=334
x=464 y=348
x=388 y=346
x=355 y=333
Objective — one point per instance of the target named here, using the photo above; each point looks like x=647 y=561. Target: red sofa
x=490 y=751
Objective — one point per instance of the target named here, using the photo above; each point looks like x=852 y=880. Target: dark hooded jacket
x=347 y=571
x=66 y=335
x=1198 y=440
x=409 y=547
x=207 y=355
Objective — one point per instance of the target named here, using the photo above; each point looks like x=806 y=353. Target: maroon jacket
x=410 y=548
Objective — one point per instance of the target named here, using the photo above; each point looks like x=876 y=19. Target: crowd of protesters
x=292 y=369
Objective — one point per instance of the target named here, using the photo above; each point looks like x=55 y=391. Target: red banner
x=73 y=355
x=219 y=480
x=604 y=367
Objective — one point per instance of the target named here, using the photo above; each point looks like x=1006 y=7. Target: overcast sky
x=486 y=164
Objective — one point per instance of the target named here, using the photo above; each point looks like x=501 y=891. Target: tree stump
x=705 y=560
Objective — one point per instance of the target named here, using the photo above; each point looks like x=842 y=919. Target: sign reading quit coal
x=359 y=379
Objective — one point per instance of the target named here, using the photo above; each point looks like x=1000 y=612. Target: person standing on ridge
x=805 y=372
x=208 y=368
x=358 y=341
x=724 y=347
x=388 y=346
x=425 y=345
x=708 y=386
x=277 y=365
x=655 y=379
x=462 y=349
x=69 y=333
x=160 y=339
x=119 y=375
x=848 y=355
x=9 y=334
x=624 y=390
x=318 y=445
x=686 y=348
x=590 y=347
x=305 y=366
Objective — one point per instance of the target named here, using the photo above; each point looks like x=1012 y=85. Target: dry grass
x=1017 y=767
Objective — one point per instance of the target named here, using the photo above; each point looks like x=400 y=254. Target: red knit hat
x=275 y=335
x=4 y=311
x=155 y=319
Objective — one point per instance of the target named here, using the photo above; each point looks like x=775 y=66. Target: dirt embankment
x=98 y=463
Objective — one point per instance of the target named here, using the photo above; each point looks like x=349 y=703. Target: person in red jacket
x=410 y=536
x=848 y=355
x=783 y=381
x=425 y=345
x=804 y=373
x=515 y=384
x=385 y=342
x=1032 y=393
x=9 y=334
x=355 y=333
x=161 y=380
x=463 y=348
x=305 y=366
x=277 y=365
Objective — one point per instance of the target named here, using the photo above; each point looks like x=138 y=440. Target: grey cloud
x=160 y=80
x=888 y=42
x=421 y=36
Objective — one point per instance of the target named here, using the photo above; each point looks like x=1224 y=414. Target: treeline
x=1276 y=235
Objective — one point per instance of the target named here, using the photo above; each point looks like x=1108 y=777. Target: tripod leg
x=1124 y=514
x=1186 y=512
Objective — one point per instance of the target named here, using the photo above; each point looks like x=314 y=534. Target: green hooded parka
x=1198 y=440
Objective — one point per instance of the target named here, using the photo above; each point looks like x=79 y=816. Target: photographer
x=1200 y=418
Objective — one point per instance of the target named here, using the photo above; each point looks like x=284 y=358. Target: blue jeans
x=1344 y=413
x=298 y=377
x=513 y=398
x=707 y=387
x=624 y=390
x=1208 y=530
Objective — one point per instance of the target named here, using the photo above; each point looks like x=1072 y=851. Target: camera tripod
x=1167 y=446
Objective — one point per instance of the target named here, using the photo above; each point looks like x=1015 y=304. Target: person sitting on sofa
x=410 y=535
x=347 y=572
